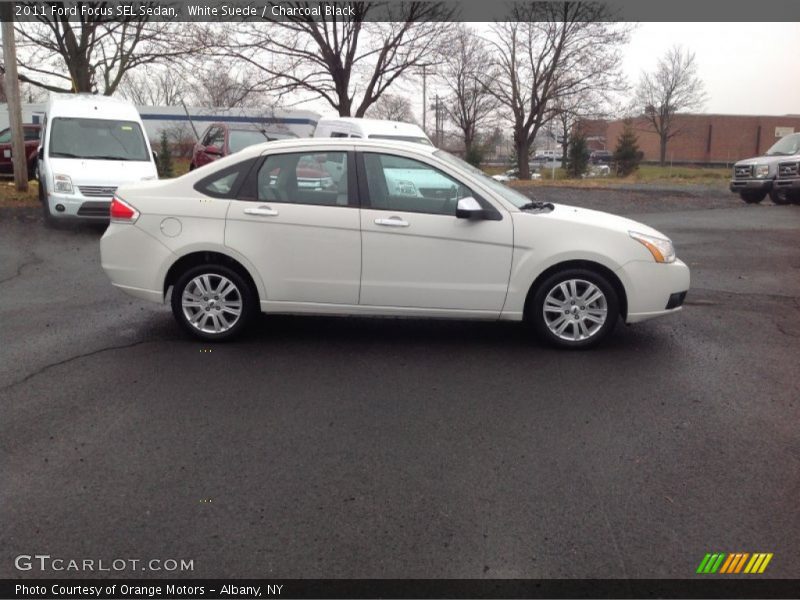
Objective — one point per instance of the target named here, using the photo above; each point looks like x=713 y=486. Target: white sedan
x=242 y=235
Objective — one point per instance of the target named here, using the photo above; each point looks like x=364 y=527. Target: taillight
x=122 y=212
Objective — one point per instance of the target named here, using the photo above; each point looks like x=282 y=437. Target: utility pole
x=424 y=98
x=11 y=81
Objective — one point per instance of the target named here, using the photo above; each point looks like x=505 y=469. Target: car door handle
x=392 y=222
x=261 y=211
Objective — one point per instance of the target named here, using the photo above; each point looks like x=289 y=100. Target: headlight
x=762 y=171
x=63 y=184
x=661 y=248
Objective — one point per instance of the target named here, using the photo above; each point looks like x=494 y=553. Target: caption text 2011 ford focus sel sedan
x=391 y=229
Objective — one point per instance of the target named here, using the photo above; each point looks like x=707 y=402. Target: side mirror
x=469 y=208
x=155 y=156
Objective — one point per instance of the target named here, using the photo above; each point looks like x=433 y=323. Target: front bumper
x=63 y=206
x=788 y=184
x=750 y=185
x=653 y=289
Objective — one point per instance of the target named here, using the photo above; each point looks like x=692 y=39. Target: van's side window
x=338 y=134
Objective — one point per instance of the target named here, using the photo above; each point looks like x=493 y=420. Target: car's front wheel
x=574 y=308
x=753 y=197
x=780 y=196
x=213 y=302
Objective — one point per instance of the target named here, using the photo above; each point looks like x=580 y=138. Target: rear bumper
x=134 y=261
x=653 y=289
x=750 y=185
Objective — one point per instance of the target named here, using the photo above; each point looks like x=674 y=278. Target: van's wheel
x=574 y=308
x=780 y=197
x=213 y=302
x=753 y=197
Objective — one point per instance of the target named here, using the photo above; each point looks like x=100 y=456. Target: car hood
x=102 y=172
x=766 y=160
x=603 y=220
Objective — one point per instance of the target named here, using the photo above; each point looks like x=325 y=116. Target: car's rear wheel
x=212 y=302
x=753 y=197
x=574 y=308
x=780 y=196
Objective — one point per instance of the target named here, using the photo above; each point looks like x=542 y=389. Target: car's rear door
x=305 y=242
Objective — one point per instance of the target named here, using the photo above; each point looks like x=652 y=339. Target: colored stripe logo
x=737 y=562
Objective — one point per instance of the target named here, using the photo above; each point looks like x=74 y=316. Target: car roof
x=91 y=106
x=324 y=144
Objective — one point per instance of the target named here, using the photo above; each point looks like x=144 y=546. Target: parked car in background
x=374 y=129
x=222 y=139
x=513 y=175
x=32 y=133
x=242 y=236
x=601 y=157
x=754 y=178
x=90 y=146
x=787 y=183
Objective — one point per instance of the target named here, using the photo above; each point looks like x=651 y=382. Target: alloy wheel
x=575 y=310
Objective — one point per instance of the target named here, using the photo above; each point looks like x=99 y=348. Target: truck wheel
x=753 y=197
x=780 y=197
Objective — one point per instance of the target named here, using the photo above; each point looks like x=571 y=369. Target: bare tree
x=220 y=86
x=94 y=53
x=550 y=51
x=464 y=70
x=673 y=87
x=570 y=111
x=154 y=87
x=392 y=107
x=347 y=62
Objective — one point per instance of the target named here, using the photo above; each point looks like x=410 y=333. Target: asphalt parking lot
x=338 y=447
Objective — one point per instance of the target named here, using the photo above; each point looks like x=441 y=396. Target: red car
x=222 y=139
x=33 y=133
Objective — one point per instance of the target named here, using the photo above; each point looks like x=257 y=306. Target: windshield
x=99 y=139
x=403 y=138
x=786 y=146
x=509 y=194
x=242 y=138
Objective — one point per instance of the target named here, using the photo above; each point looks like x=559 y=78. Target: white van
x=90 y=146
x=371 y=128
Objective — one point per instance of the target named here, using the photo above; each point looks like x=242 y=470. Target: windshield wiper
x=64 y=155
x=102 y=157
x=536 y=205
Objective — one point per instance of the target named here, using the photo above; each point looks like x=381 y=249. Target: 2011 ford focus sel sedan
x=397 y=229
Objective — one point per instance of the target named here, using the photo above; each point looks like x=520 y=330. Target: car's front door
x=416 y=252
x=304 y=241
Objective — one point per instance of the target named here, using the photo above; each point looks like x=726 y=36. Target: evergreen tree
x=577 y=155
x=165 y=169
x=627 y=155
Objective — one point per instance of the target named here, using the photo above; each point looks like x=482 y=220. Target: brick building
x=708 y=139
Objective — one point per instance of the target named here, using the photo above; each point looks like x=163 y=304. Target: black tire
x=216 y=273
x=780 y=197
x=753 y=197
x=551 y=286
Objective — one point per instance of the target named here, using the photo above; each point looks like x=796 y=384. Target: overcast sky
x=748 y=68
